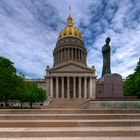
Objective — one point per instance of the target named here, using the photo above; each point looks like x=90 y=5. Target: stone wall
x=112 y=105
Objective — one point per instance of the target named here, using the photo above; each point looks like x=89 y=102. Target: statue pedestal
x=110 y=85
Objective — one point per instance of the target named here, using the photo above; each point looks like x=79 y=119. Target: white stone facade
x=71 y=80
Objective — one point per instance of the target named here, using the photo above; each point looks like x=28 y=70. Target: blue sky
x=29 y=31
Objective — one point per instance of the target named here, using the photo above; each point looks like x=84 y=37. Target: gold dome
x=69 y=30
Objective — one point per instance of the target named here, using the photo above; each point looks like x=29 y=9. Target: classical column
x=72 y=53
x=57 y=88
x=84 y=58
x=74 y=87
x=90 y=87
x=82 y=55
x=79 y=87
x=79 y=54
x=61 y=54
x=75 y=54
x=62 y=87
x=68 y=87
x=54 y=57
x=93 y=88
x=57 y=56
x=85 y=87
x=51 y=88
x=68 y=55
x=65 y=54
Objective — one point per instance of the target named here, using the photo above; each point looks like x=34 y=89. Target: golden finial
x=69 y=23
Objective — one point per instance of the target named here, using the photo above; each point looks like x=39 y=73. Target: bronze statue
x=106 y=57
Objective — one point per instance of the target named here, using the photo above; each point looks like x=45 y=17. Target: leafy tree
x=20 y=92
x=132 y=83
x=6 y=66
x=28 y=92
x=34 y=94
x=7 y=79
x=13 y=87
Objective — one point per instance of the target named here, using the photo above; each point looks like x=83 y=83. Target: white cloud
x=29 y=31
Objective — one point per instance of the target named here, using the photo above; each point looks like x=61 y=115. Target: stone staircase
x=52 y=124
x=67 y=103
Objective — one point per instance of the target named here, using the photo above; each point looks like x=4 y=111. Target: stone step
x=72 y=138
x=67 y=104
x=67 y=116
x=71 y=132
x=69 y=123
x=66 y=111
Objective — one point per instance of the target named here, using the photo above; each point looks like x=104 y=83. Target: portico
x=71 y=87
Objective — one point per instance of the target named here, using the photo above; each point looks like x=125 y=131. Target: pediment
x=71 y=67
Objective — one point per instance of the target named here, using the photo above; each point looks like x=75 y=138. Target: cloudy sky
x=29 y=31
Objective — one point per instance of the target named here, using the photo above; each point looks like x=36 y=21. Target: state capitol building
x=70 y=77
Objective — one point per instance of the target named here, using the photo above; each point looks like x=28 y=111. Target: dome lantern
x=69 y=30
x=69 y=21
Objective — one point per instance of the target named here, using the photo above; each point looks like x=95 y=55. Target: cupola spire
x=69 y=20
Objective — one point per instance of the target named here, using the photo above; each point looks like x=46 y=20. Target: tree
x=28 y=92
x=137 y=69
x=6 y=65
x=34 y=93
x=20 y=92
x=132 y=83
x=7 y=79
x=14 y=87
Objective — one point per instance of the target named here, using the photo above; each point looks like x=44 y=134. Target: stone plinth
x=109 y=86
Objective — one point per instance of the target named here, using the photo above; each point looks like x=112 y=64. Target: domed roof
x=69 y=30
